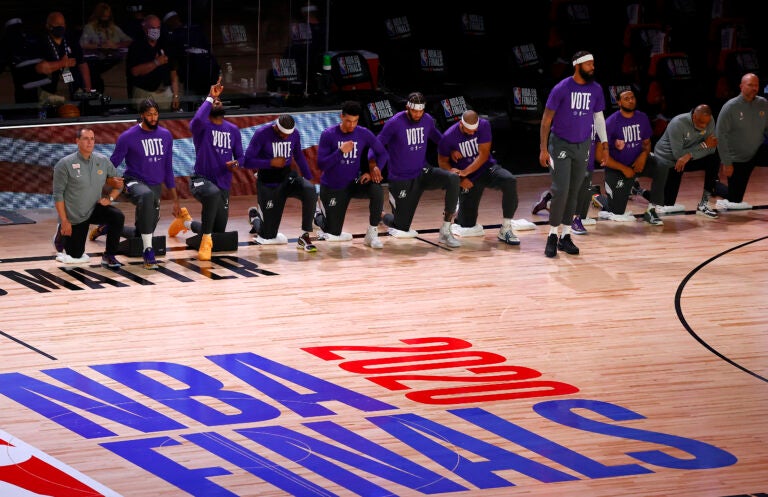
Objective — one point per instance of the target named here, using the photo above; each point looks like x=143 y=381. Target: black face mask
x=58 y=31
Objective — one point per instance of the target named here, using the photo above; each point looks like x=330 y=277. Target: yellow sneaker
x=97 y=232
x=204 y=252
x=177 y=226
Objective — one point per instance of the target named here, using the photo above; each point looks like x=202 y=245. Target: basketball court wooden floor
x=638 y=368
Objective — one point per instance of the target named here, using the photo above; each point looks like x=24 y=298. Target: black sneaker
x=704 y=210
x=304 y=242
x=551 y=248
x=109 y=261
x=541 y=205
x=254 y=218
x=319 y=220
x=566 y=245
x=636 y=189
x=651 y=217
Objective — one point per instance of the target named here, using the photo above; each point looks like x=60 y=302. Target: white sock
x=553 y=230
x=446 y=225
x=507 y=223
x=146 y=240
x=566 y=230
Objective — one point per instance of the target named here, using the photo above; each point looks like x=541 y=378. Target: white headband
x=169 y=15
x=582 y=59
x=469 y=126
x=415 y=106
x=283 y=130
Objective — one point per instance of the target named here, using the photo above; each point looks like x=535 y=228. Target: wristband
x=111 y=199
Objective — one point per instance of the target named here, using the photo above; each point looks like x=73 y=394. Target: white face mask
x=153 y=34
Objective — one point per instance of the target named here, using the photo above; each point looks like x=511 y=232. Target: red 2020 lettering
x=483 y=385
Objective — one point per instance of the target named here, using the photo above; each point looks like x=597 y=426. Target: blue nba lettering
x=415 y=136
x=221 y=139
x=581 y=100
x=152 y=146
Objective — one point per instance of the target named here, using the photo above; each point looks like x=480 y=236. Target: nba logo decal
x=26 y=471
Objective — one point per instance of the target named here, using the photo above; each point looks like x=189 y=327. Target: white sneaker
x=627 y=217
x=508 y=236
x=605 y=215
x=341 y=237
x=522 y=225
x=669 y=209
x=402 y=234
x=704 y=210
x=447 y=238
x=476 y=230
x=372 y=238
x=280 y=239
x=68 y=259
x=588 y=221
x=731 y=206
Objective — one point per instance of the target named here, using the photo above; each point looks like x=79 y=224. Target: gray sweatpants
x=570 y=166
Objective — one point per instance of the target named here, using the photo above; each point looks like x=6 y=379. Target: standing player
x=405 y=137
x=573 y=105
x=339 y=152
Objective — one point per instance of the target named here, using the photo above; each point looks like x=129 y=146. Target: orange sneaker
x=97 y=232
x=206 y=245
x=177 y=226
